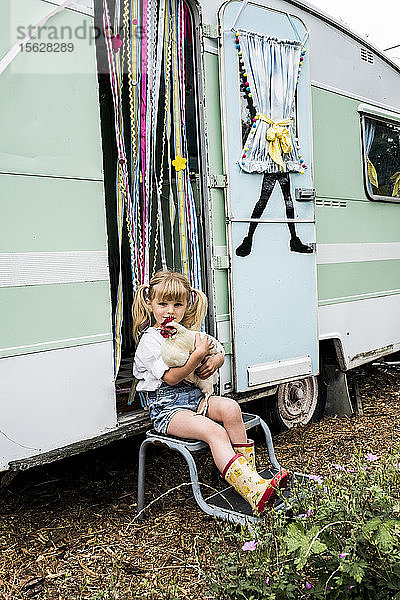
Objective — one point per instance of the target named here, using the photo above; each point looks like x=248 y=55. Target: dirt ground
x=67 y=530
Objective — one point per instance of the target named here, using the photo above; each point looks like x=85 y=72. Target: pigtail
x=140 y=310
x=196 y=312
x=170 y=286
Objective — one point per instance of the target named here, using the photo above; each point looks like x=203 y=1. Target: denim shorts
x=165 y=402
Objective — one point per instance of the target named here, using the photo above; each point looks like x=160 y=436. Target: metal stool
x=226 y=504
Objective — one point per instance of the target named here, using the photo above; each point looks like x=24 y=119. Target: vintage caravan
x=254 y=146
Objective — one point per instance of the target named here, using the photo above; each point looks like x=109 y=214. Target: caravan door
x=271 y=225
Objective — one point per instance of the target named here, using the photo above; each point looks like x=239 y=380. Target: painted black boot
x=296 y=245
x=245 y=247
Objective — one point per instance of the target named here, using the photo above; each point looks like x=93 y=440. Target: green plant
x=339 y=538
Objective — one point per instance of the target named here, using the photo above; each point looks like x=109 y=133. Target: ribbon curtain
x=146 y=117
x=272 y=69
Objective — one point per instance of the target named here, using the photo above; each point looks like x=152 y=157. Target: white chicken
x=179 y=343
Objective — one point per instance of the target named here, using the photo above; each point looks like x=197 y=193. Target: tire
x=296 y=403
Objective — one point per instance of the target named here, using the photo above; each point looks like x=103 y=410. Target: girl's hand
x=210 y=365
x=202 y=345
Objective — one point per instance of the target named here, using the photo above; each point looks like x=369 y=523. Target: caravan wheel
x=296 y=403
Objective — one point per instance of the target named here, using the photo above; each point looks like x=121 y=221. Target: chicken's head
x=167 y=330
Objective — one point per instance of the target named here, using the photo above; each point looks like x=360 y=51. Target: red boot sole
x=278 y=482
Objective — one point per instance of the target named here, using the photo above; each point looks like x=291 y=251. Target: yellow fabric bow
x=279 y=139
x=372 y=174
x=396 y=181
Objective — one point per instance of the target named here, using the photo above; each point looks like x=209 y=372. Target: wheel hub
x=297 y=401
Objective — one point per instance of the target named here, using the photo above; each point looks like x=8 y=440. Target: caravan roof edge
x=310 y=8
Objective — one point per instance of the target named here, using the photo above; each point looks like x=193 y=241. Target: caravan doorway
x=163 y=220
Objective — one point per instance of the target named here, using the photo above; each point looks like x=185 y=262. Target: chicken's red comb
x=166 y=331
x=166 y=321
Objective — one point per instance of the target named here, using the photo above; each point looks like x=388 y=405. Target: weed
x=339 y=538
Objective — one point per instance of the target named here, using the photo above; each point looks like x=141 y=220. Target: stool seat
x=249 y=421
x=226 y=504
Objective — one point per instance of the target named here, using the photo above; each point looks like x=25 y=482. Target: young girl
x=175 y=405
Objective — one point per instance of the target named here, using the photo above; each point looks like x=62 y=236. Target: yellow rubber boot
x=248 y=452
x=258 y=492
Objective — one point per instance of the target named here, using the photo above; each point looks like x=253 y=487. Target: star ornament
x=179 y=163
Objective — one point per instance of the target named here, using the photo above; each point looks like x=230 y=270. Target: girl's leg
x=188 y=424
x=228 y=412
x=234 y=467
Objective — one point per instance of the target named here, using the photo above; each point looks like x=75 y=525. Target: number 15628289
x=48 y=47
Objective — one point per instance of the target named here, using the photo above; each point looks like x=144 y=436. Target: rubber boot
x=248 y=452
x=258 y=492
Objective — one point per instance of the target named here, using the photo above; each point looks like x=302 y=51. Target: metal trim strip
x=107 y=337
x=363 y=99
x=357 y=252
x=76 y=6
x=250 y=220
x=341 y=299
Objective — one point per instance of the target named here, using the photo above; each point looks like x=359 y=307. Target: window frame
x=382 y=118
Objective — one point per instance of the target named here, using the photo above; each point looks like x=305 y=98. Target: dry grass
x=63 y=528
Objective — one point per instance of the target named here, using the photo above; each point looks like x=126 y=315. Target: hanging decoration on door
x=124 y=196
x=144 y=39
x=269 y=72
x=182 y=188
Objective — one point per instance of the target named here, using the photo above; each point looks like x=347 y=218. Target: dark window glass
x=382 y=150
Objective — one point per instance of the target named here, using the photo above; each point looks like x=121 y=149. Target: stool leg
x=141 y=478
x=270 y=445
x=194 y=480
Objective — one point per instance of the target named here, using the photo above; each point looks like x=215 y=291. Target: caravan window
x=382 y=159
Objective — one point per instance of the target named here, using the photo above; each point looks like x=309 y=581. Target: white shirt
x=148 y=366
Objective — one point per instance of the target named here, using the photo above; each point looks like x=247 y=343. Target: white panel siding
x=55 y=398
x=362 y=326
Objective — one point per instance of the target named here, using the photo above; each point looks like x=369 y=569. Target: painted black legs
x=268 y=184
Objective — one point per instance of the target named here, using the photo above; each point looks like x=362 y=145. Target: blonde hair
x=173 y=287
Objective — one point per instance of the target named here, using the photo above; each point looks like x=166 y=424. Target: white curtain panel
x=272 y=68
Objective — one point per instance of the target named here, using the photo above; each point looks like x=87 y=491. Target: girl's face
x=162 y=308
